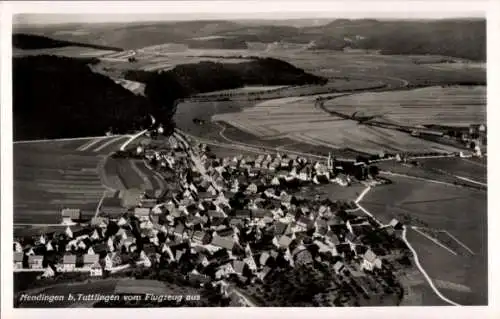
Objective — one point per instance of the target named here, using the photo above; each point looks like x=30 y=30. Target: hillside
x=164 y=88
x=55 y=97
x=133 y=35
x=456 y=38
x=33 y=42
x=461 y=38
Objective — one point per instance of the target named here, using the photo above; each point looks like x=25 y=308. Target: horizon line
x=16 y=22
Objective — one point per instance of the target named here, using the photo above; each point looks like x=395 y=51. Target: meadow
x=71 y=52
x=300 y=120
x=122 y=174
x=461 y=212
x=464 y=167
x=454 y=106
x=52 y=175
x=289 y=112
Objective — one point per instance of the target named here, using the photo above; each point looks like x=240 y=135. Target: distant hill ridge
x=34 y=42
x=460 y=38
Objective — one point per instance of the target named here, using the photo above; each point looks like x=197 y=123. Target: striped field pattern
x=298 y=119
x=52 y=175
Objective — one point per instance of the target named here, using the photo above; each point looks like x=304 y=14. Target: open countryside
x=44 y=187
x=446 y=106
x=252 y=165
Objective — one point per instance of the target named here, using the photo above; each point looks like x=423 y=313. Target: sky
x=84 y=12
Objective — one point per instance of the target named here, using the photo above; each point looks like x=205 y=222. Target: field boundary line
x=470 y=180
x=415 y=255
x=131 y=139
x=60 y=139
x=147 y=182
x=98 y=208
x=90 y=143
x=111 y=141
x=418 y=178
x=475 y=163
x=422 y=270
x=435 y=241
x=459 y=242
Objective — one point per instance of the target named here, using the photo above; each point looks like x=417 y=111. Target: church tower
x=330 y=162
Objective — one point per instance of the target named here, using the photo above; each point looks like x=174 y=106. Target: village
x=226 y=221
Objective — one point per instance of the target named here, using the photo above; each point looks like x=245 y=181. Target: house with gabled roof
x=224 y=271
x=142 y=213
x=89 y=260
x=223 y=242
x=69 y=262
x=18 y=260
x=239 y=267
x=236 y=222
x=252 y=188
x=96 y=235
x=262 y=275
x=35 y=262
x=332 y=237
x=265 y=259
x=304 y=222
x=167 y=251
x=250 y=262
x=243 y=213
x=394 y=223
x=179 y=230
x=96 y=270
x=280 y=228
x=326 y=248
x=201 y=237
x=370 y=261
x=338 y=267
x=284 y=241
x=70 y=215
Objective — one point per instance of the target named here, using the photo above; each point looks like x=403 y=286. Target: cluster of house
x=223 y=219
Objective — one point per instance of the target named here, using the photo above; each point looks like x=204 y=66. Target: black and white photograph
x=323 y=158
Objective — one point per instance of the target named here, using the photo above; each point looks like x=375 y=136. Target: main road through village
x=251 y=148
x=261 y=150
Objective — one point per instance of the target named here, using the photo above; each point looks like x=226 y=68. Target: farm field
x=463 y=167
x=454 y=106
x=163 y=58
x=457 y=214
x=121 y=174
x=348 y=71
x=389 y=168
x=457 y=66
x=394 y=70
x=244 y=90
x=133 y=86
x=333 y=86
x=70 y=52
x=50 y=176
x=299 y=120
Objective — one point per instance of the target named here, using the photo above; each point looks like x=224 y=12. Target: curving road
x=415 y=255
x=422 y=270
